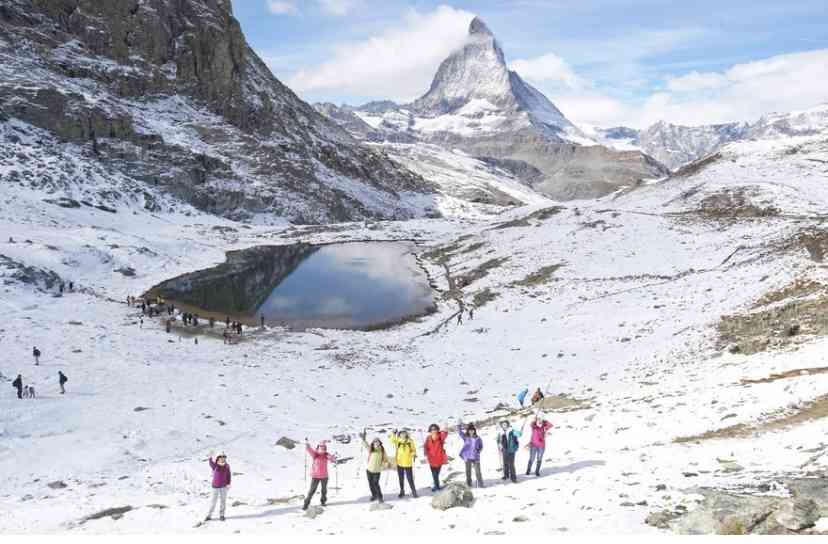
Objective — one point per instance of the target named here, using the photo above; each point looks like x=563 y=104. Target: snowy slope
x=626 y=327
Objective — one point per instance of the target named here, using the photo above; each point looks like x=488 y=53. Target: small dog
x=28 y=392
x=32 y=392
x=25 y=391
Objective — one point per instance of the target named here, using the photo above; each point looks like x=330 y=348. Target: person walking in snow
x=460 y=318
x=470 y=454
x=508 y=445
x=537 y=396
x=36 y=354
x=319 y=472
x=18 y=384
x=62 y=379
x=377 y=461
x=537 y=444
x=522 y=396
x=435 y=452
x=405 y=455
x=471 y=313
x=221 y=483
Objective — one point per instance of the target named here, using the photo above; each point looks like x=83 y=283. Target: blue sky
x=602 y=62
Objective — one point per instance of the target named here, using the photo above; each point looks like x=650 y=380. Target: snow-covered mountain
x=476 y=104
x=676 y=145
x=168 y=96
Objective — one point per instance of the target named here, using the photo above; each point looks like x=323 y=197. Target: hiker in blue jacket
x=508 y=445
x=522 y=396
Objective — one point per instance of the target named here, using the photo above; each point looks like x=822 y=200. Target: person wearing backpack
x=377 y=461
x=508 y=443
x=405 y=455
x=62 y=379
x=435 y=452
x=470 y=454
x=18 y=384
x=537 y=444
x=36 y=354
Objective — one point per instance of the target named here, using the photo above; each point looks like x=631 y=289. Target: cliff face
x=171 y=91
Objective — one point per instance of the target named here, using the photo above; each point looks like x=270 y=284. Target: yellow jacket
x=406 y=450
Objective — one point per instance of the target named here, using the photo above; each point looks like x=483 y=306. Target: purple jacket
x=221 y=475
x=471 y=447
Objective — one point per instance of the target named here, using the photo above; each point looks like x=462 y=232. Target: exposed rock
x=380 y=506
x=798 y=514
x=726 y=513
x=58 y=484
x=453 y=495
x=313 y=511
x=115 y=513
x=661 y=519
x=286 y=443
x=520 y=519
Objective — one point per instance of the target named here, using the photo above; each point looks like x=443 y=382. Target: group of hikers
x=155 y=307
x=28 y=391
x=403 y=460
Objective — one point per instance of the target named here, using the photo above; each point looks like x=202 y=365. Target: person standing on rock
x=537 y=444
x=319 y=472
x=36 y=354
x=377 y=461
x=470 y=454
x=221 y=483
x=62 y=379
x=537 y=396
x=435 y=452
x=18 y=384
x=405 y=455
x=508 y=443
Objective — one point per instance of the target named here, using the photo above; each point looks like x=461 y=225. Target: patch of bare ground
x=795 y=373
x=538 y=215
x=734 y=203
x=539 y=277
x=816 y=409
x=484 y=296
x=481 y=271
x=806 y=314
x=551 y=403
x=696 y=166
x=442 y=254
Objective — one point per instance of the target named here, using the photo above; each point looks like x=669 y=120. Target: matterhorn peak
x=477 y=26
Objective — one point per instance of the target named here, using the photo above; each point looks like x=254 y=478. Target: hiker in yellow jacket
x=405 y=456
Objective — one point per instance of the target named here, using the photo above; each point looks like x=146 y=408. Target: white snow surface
x=627 y=324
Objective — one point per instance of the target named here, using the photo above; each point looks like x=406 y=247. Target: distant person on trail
x=62 y=379
x=435 y=452
x=471 y=313
x=405 y=455
x=537 y=396
x=36 y=354
x=169 y=325
x=508 y=445
x=262 y=319
x=319 y=472
x=212 y=322
x=460 y=318
x=18 y=384
x=537 y=444
x=221 y=482
x=522 y=396
x=470 y=454
x=377 y=461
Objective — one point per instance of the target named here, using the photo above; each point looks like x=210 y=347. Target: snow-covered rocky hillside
x=677 y=145
x=678 y=329
x=477 y=105
x=168 y=96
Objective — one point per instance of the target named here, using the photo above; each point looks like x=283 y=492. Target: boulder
x=724 y=513
x=380 y=506
x=286 y=443
x=453 y=495
x=797 y=514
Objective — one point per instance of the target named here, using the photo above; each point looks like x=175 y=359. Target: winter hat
x=505 y=424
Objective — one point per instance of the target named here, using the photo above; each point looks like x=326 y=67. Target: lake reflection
x=351 y=285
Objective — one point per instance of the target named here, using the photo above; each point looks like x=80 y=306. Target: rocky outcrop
x=453 y=495
x=169 y=93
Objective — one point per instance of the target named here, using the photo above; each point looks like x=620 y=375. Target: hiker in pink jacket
x=221 y=482
x=319 y=472
x=537 y=445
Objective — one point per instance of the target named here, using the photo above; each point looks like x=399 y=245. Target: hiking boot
x=401 y=495
x=414 y=494
x=373 y=499
x=434 y=489
x=208 y=518
x=305 y=506
x=221 y=518
x=528 y=471
x=537 y=472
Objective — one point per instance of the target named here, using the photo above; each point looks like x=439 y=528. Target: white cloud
x=282 y=7
x=744 y=92
x=549 y=68
x=328 y=7
x=399 y=63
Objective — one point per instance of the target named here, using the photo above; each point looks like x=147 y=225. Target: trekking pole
x=305 y=455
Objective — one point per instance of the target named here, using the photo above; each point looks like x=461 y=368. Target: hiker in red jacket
x=537 y=445
x=319 y=472
x=435 y=452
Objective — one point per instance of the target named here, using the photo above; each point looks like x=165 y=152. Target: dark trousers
x=374 y=485
x=477 y=471
x=20 y=392
x=314 y=484
x=402 y=474
x=435 y=475
x=509 y=466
